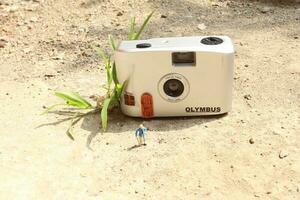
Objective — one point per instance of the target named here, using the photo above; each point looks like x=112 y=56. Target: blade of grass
x=82 y=99
x=104 y=113
x=112 y=42
x=143 y=26
x=73 y=99
x=102 y=54
x=124 y=85
x=74 y=121
x=131 y=33
x=108 y=75
x=114 y=74
x=52 y=107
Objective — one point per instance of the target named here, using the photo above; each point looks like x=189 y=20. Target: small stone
x=30 y=9
x=201 y=26
x=49 y=75
x=163 y=16
x=246 y=65
x=27 y=50
x=20 y=23
x=247 y=96
x=60 y=33
x=268 y=192
x=58 y=57
x=251 y=141
x=12 y=9
x=119 y=14
x=265 y=9
x=296 y=37
x=33 y=19
x=283 y=154
x=2 y=44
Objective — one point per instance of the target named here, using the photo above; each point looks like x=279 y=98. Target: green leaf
x=131 y=33
x=119 y=89
x=112 y=42
x=114 y=101
x=104 y=113
x=81 y=99
x=102 y=54
x=73 y=99
x=143 y=26
x=108 y=73
x=124 y=85
x=114 y=74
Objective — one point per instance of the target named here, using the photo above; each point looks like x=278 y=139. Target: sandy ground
x=45 y=46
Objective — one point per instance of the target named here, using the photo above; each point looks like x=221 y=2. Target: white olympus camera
x=179 y=76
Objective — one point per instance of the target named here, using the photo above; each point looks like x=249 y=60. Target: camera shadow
x=119 y=123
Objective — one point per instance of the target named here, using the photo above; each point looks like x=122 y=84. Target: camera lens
x=173 y=87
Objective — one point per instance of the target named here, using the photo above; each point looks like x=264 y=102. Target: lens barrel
x=173 y=87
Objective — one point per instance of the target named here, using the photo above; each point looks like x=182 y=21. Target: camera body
x=179 y=76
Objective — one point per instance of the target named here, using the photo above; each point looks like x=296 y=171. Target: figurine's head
x=141 y=126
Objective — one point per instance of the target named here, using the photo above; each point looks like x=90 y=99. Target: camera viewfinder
x=184 y=58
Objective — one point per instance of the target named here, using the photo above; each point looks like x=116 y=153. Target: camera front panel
x=184 y=84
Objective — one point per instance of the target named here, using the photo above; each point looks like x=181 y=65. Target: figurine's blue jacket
x=140 y=132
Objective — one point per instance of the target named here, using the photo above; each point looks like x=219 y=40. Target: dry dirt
x=45 y=45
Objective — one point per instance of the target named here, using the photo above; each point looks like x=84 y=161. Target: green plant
x=114 y=89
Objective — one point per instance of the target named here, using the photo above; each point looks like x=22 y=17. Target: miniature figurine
x=140 y=135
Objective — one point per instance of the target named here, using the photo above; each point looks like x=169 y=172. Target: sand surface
x=45 y=45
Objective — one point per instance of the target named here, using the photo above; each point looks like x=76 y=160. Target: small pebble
x=283 y=154
x=265 y=9
x=246 y=65
x=27 y=50
x=119 y=14
x=251 y=141
x=2 y=44
x=163 y=16
x=20 y=23
x=12 y=9
x=59 y=57
x=60 y=33
x=247 y=96
x=201 y=26
x=33 y=19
